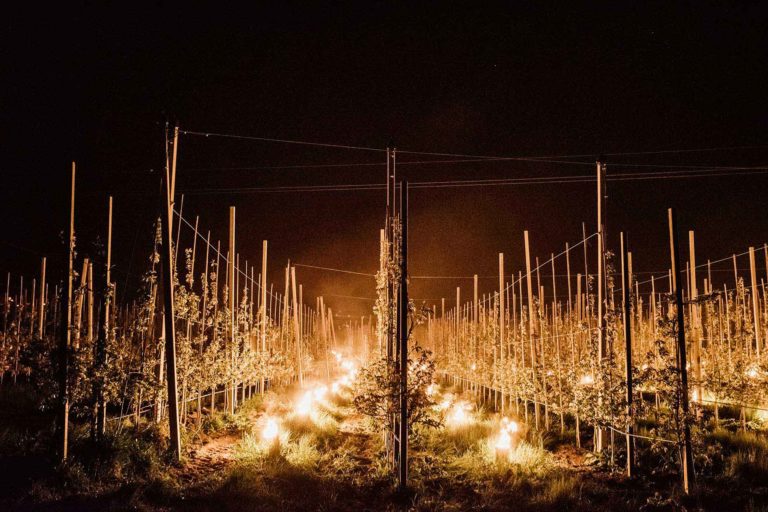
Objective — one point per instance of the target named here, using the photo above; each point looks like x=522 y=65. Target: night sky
x=97 y=85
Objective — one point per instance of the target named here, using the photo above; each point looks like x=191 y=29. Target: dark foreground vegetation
x=332 y=460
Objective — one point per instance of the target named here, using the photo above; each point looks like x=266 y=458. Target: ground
x=331 y=459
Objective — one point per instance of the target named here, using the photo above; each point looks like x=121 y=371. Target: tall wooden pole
x=625 y=287
x=600 y=256
x=232 y=299
x=169 y=315
x=755 y=300
x=531 y=325
x=41 y=319
x=297 y=328
x=264 y=296
x=403 y=335
x=695 y=320
x=100 y=418
x=502 y=337
x=64 y=342
x=687 y=455
x=599 y=432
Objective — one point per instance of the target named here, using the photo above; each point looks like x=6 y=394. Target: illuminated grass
x=457 y=440
x=302 y=453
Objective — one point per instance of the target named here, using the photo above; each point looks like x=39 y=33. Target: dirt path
x=212 y=457
x=219 y=452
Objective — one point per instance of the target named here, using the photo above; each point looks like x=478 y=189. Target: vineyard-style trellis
x=598 y=348
x=107 y=362
x=606 y=349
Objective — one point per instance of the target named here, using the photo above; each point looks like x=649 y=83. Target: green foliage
x=377 y=390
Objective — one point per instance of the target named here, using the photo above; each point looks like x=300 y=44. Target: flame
x=319 y=393
x=504 y=440
x=304 y=406
x=271 y=430
x=587 y=380
x=459 y=414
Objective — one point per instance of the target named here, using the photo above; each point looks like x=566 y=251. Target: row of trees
x=233 y=336
x=539 y=353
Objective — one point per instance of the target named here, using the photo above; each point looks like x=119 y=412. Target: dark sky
x=97 y=84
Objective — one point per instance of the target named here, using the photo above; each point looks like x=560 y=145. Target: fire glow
x=271 y=431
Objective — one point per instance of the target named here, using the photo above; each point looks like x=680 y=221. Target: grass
x=320 y=463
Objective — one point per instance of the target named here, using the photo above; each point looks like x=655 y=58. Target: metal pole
x=403 y=335
x=687 y=455
x=170 y=328
x=64 y=342
x=625 y=287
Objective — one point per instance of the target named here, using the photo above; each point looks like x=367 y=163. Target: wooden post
x=297 y=328
x=66 y=333
x=558 y=355
x=100 y=416
x=263 y=290
x=531 y=326
x=502 y=338
x=169 y=315
x=755 y=300
x=695 y=320
x=232 y=303
x=6 y=309
x=600 y=316
x=687 y=455
x=625 y=288
x=403 y=337
x=41 y=319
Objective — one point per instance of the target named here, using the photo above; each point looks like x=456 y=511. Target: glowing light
x=509 y=425
x=504 y=440
x=431 y=389
x=446 y=403
x=644 y=367
x=459 y=414
x=320 y=392
x=587 y=380
x=473 y=367
x=752 y=372
x=304 y=406
x=335 y=387
x=271 y=430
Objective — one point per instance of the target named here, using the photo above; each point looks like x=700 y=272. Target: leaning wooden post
x=64 y=342
x=625 y=291
x=169 y=315
x=687 y=455
x=403 y=335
